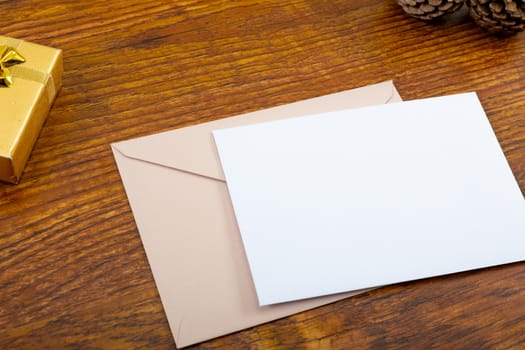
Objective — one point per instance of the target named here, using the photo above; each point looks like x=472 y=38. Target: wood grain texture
x=73 y=273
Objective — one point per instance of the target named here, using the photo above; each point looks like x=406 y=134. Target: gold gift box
x=24 y=106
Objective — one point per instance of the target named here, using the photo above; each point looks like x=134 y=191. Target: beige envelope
x=178 y=195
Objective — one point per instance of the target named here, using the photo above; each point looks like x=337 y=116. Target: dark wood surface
x=73 y=273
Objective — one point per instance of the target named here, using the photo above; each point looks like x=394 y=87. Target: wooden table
x=73 y=273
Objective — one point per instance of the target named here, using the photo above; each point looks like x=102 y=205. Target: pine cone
x=498 y=16
x=430 y=9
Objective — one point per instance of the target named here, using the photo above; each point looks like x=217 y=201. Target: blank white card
x=360 y=198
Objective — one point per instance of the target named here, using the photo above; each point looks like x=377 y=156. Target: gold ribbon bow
x=8 y=57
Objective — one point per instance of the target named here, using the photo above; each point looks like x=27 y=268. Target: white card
x=366 y=197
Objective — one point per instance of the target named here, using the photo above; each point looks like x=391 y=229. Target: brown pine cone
x=498 y=16
x=430 y=9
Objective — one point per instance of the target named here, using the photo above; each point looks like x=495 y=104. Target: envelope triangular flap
x=192 y=149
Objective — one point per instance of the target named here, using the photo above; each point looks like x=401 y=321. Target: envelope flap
x=193 y=150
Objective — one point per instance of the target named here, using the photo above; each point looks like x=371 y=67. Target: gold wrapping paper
x=24 y=106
